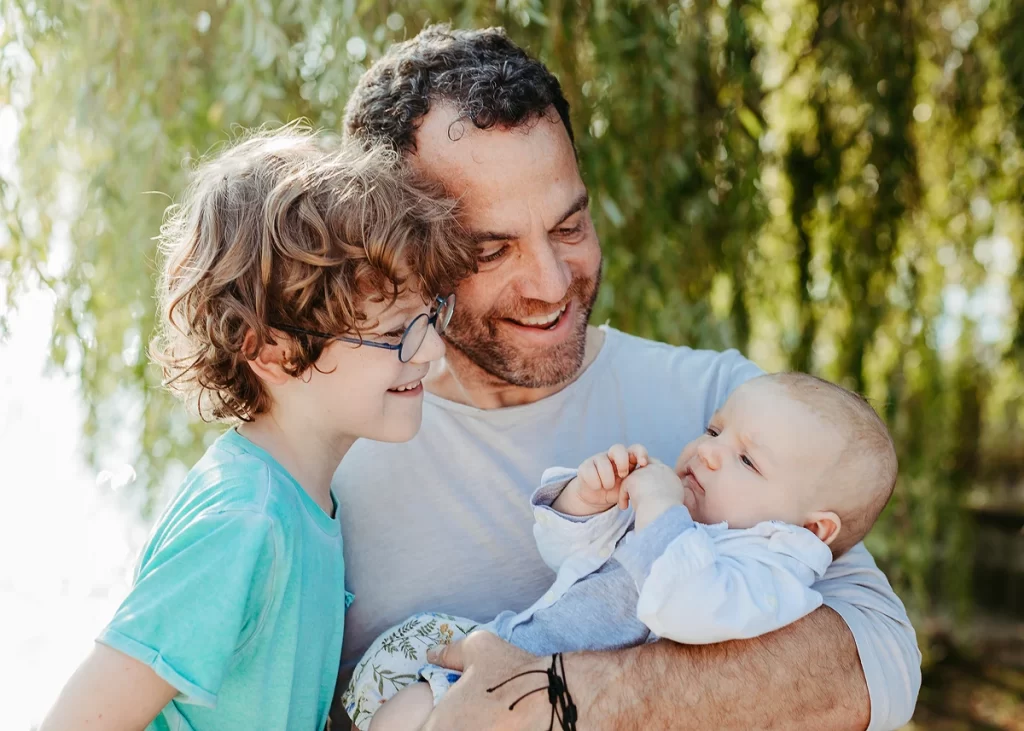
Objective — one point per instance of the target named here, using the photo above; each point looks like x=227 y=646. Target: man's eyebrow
x=581 y=202
x=480 y=237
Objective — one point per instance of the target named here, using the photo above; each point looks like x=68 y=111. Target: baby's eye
x=746 y=460
x=711 y=432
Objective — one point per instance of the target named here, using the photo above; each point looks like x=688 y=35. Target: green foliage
x=830 y=185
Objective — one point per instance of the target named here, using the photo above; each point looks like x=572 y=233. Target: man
x=443 y=523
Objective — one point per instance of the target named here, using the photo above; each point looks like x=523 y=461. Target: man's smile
x=554 y=325
x=541 y=321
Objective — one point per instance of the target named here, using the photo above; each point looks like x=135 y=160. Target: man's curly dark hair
x=483 y=74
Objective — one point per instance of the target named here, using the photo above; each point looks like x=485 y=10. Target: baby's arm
x=109 y=691
x=710 y=586
x=561 y=535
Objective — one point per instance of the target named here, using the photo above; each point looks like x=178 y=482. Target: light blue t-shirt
x=238 y=599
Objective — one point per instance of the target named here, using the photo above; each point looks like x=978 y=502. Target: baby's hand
x=600 y=477
x=598 y=482
x=653 y=490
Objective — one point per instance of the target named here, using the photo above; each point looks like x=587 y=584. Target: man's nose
x=546 y=276
x=708 y=454
x=431 y=349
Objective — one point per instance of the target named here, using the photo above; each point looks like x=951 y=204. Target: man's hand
x=598 y=482
x=486 y=661
x=653 y=490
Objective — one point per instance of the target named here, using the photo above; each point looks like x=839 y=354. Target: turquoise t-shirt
x=238 y=599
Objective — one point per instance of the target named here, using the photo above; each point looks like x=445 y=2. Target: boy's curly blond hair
x=289 y=228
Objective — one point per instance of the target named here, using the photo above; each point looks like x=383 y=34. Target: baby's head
x=794 y=448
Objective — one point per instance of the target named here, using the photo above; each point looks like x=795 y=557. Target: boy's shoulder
x=232 y=478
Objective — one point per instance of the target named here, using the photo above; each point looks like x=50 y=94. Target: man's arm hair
x=804 y=676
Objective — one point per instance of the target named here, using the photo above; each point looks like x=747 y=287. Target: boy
x=299 y=301
x=791 y=473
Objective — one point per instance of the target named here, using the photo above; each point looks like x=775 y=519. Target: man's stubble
x=480 y=341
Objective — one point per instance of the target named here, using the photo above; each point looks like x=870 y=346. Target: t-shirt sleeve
x=733 y=370
x=855 y=589
x=200 y=595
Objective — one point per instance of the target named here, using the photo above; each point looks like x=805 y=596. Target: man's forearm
x=805 y=676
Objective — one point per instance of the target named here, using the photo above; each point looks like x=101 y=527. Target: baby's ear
x=268 y=363
x=825 y=524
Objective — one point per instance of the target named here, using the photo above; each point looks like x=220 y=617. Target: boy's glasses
x=412 y=338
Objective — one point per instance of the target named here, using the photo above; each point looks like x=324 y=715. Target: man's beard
x=480 y=340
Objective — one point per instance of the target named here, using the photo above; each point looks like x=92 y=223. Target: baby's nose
x=708 y=454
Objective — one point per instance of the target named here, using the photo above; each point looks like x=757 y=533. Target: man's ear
x=825 y=524
x=269 y=362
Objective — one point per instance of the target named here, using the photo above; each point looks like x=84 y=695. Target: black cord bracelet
x=562 y=706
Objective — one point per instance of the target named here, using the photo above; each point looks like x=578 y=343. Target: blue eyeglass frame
x=439 y=304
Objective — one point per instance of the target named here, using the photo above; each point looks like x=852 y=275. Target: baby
x=792 y=472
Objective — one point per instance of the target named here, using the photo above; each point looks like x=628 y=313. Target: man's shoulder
x=638 y=353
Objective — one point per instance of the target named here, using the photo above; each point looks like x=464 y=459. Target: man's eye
x=570 y=233
x=711 y=432
x=489 y=255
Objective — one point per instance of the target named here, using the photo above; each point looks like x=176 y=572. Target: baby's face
x=764 y=457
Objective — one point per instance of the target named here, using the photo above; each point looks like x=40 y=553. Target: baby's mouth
x=691 y=479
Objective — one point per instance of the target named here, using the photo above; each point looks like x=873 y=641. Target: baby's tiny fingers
x=620 y=458
x=638 y=452
x=588 y=475
x=606 y=472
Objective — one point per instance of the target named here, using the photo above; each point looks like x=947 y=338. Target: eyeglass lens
x=416 y=333
x=444 y=314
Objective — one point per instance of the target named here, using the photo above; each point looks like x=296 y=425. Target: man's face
x=522 y=317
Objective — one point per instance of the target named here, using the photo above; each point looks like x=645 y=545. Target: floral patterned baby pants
x=399 y=658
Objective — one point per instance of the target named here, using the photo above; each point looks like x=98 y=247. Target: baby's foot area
x=406 y=711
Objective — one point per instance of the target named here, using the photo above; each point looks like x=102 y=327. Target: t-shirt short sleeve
x=200 y=595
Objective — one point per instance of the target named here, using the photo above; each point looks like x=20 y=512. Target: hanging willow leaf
x=819 y=187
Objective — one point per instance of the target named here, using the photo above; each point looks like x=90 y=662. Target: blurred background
x=834 y=186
